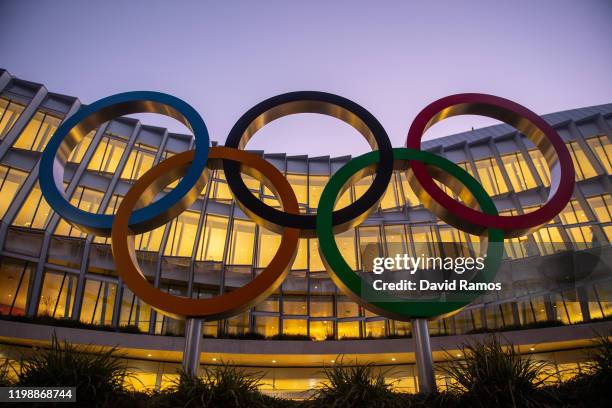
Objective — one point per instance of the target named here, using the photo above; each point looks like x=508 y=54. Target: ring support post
x=424 y=358
x=193 y=346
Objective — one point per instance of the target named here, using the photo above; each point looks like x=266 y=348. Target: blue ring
x=51 y=169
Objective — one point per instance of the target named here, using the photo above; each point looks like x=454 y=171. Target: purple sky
x=393 y=58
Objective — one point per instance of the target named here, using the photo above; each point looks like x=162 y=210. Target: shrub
x=221 y=386
x=491 y=376
x=592 y=388
x=5 y=377
x=96 y=373
x=355 y=386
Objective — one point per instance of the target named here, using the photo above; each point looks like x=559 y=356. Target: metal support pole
x=424 y=358
x=193 y=345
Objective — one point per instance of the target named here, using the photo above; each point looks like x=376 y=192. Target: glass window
x=582 y=237
x=107 y=155
x=299 y=184
x=294 y=305
x=9 y=113
x=362 y=185
x=582 y=165
x=409 y=197
x=375 y=328
x=139 y=161
x=238 y=325
x=295 y=327
x=321 y=306
x=87 y=200
x=603 y=150
x=322 y=330
x=491 y=176
x=346 y=244
x=266 y=325
x=389 y=200
x=315 y=188
x=595 y=310
x=212 y=241
x=424 y=239
x=525 y=312
x=182 y=234
x=573 y=214
x=98 y=301
x=268 y=243
x=14 y=282
x=348 y=330
x=79 y=150
x=604 y=293
x=38 y=132
x=149 y=241
x=549 y=240
x=219 y=190
x=601 y=206
x=316 y=264
x=347 y=308
x=10 y=182
x=518 y=172
x=369 y=246
x=35 y=212
x=241 y=244
x=268 y=305
x=134 y=312
x=541 y=166
x=57 y=296
x=301 y=259
x=539 y=308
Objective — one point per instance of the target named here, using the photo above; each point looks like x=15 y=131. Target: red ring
x=546 y=139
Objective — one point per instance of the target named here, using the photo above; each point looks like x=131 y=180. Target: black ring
x=309 y=102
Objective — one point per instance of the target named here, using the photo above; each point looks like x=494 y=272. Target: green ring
x=351 y=284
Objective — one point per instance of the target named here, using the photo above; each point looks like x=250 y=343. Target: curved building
x=557 y=281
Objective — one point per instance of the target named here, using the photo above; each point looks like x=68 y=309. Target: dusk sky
x=393 y=58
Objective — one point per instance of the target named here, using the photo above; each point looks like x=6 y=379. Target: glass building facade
x=50 y=269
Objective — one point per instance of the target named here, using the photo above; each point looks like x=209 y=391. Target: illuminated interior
x=49 y=268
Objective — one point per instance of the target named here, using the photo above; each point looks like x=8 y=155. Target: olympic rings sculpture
x=138 y=212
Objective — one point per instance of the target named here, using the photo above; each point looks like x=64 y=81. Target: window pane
x=603 y=150
x=518 y=172
x=139 y=161
x=266 y=325
x=10 y=183
x=267 y=246
x=294 y=327
x=601 y=206
x=212 y=240
x=38 y=132
x=322 y=330
x=315 y=188
x=98 y=301
x=241 y=245
x=299 y=185
x=79 y=151
x=57 y=296
x=87 y=200
x=35 y=212
x=348 y=330
x=134 y=312
x=541 y=167
x=14 y=282
x=107 y=155
x=582 y=165
x=9 y=113
x=490 y=176
x=182 y=234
